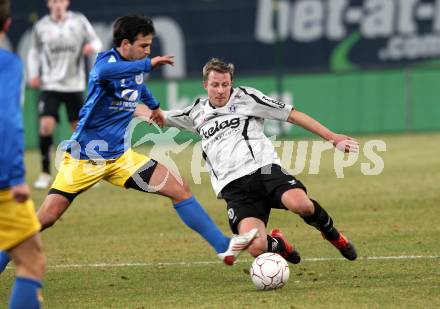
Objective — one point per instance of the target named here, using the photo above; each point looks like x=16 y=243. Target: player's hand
x=345 y=143
x=158 y=117
x=162 y=60
x=35 y=82
x=143 y=112
x=20 y=193
x=88 y=49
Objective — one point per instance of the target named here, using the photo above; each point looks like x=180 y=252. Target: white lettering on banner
x=406 y=24
x=335 y=26
x=317 y=19
x=377 y=23
x=264 y=30
x=396 y=20
x=436 y=23
x=307 y=20
x=413 y=47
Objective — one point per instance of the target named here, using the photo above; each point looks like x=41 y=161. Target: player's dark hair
x=130 y=26
x=215 y=64
x=5 y=12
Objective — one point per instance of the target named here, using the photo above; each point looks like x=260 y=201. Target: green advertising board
x=354 y=102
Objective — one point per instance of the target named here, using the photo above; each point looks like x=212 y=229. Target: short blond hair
x=217 y=65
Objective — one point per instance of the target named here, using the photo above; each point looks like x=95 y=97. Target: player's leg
x=30 y=264
x=246 y=211
x=194 y=216
x=273 y=242
x=70 y=181
x=73 y=178
x=291 y=194
x=260 y=244
x=53 y=207
x=248 y=207
x=156 y=178
x=48 y=105
x=74 y=102
x=19 y=227
x=313 y=214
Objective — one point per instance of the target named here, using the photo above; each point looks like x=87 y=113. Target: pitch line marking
x=158 y=264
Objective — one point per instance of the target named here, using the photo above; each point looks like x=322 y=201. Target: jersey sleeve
x=33 y=56
x=148 y=99
x=258 y=104
x=90 y=34
x=180 y=119
x=107 y=68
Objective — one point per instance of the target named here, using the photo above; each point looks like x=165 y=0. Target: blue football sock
x=195 y=217
x=26 y=294
x=4 y=260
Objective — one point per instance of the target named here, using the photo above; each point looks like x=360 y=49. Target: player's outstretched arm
x=150 y=116
x=162 y=60
x=143 y=112
x=88 y=49
x=342 y=142
x=33 y=60
x=158 y=117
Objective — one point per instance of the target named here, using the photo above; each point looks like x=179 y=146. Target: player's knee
x=47 y=219
x=185 y=187
x=39 y=264
x=182 y=192
x=52 y=209
x=47 y=125
x=258 y=246
x=32 y=263
x=299 y=203
x=45 y=131
x=305 y=207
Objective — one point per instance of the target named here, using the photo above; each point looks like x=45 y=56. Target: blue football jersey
x=115 y=88
x=11 y=124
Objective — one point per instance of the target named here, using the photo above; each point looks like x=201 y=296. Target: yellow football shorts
x=75 y=176
x=18 y=221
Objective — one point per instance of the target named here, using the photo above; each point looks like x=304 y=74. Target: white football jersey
x=56 y=55
x=233 y=139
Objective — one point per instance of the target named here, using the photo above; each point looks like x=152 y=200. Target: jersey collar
x=119 y=55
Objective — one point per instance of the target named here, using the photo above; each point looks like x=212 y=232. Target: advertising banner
x=264 y=36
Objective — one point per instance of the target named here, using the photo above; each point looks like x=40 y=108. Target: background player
x=59 y=43
x=245 y=168
x=19 y=225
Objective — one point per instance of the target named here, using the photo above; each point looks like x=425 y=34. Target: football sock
x=4 y=260
x=45 y=143
x=195 y=217
x=274 y=245
x=26 y=294
x=322 y=221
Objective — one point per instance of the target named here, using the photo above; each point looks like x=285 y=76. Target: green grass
x=392 y=214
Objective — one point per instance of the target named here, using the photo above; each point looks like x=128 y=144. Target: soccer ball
x=269 y=271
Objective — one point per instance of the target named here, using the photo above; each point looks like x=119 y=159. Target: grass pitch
x=117 y=248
